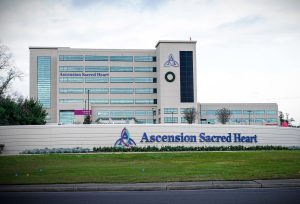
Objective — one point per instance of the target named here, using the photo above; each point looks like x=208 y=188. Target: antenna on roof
x=190 y=38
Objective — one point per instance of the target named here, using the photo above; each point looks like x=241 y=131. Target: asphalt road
x=271 y=195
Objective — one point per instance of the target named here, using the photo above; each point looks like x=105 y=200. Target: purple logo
x=125 y=140
x=171 y=62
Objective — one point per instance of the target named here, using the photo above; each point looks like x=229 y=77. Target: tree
x=190 y=115
x=21 y=112
x=223 y=115
x=87 y=119
x=8 y=72
x=286 y=119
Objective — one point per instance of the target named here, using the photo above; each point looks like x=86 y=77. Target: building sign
x=125 y=140
x=201 y=138
x=83 y=74
x=171 y=62
x=82 y=112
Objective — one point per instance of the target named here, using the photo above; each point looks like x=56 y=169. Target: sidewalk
x=152 y=186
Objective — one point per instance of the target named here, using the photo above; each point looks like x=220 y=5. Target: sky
x=248 y=51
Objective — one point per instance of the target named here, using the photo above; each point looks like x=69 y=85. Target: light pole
x=172 y=117
x=153 y=115
x=85 y=104
x=249 y=111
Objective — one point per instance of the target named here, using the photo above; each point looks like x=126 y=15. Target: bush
x=1 y=148
x=56 y=150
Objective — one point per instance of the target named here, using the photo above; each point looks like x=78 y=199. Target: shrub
x=56 y=150
x=1 y=148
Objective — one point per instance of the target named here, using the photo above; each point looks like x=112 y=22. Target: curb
x=152 y=186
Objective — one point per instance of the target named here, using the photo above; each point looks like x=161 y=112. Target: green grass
x=148 y=167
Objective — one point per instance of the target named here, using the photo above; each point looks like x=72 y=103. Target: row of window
x=111 y=101
x=125 y=113
x=175 y=110
x=243 y=112
x=174 y=120
x=106 y=90
x=107 y=58
x=107 y=80
x=246 y=121
x=44 y=80
x=105 y=69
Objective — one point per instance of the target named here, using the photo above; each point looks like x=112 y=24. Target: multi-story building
x=117 y=85
x=240 y=113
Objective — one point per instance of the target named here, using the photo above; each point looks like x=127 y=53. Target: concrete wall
x=19 y=138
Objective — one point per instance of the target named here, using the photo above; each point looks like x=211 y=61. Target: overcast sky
x=247 y=50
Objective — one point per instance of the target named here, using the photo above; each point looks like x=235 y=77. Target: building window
x=71 y=79
x=170 y=119
x=44 y=80
x=211 y=112
x=96 y=69
x=71 y=90
x=143 y=113
x=66 y=117
x=121 y=101
x=145 y=101
x=103 y=113
x=96 y=58
x=99 y=101
x=259 y=112
x=170 y=110
x=145 y=69
x=247 y=112
x=271 y=120
x=121 y=58
x=183 y=110
x=121 y=90
x=235 y=112
x=70 y=100
x=145 y=59
x=70 y=57
x=183 y=120
x=70 y=69
x=121 y=80
x=122 y=113
x=211 y=121
x=97 y=90
x=145 y=90
x=145 y=80
x=203 y=112
x=271 y=112
x=97 y=80
x=121 y=69
x=186 y=77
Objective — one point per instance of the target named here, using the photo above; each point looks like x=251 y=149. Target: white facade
x=144 y=86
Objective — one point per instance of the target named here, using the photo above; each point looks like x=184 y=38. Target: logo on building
x=171 y=62
x=125 y=140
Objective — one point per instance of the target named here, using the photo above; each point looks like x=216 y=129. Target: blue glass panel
x=145 y=101
x=271 y=112
x=121 y=90
x=70 y=57
x=71 y=90
x=170 y=110
x=211 y=112
x=144 y=113
x=71 y=79
x=182 y=110
x=122 y=113
x=96 y=69
x=122 y=58
x=121 y=101
x=44 y=80
x=247 y=112
x=186 y=77
x=259 y=112
x=183 y=120
x=145 y=69
x=144 y=80
x=70 y=69
x=96 y=58
x=145 y=59
x=170 y=119
x=97 y=90
x=96 y=79
x=66 y=117
x=236 y=112
x=121 y=80
x=145 y=90
x=70 y=100
x=103 y=113
x=121 y=69
x=99 y=101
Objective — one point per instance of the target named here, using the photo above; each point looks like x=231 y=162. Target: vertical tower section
x=177 y=85
x=43 y=71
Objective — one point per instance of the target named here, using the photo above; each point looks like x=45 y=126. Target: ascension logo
x=171 y=62
x=125 y=140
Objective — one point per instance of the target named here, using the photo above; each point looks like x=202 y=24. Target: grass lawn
x=148 y=167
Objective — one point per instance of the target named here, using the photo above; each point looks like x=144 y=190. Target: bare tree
x=190 y=115
x=223 y=115
x=8 y=72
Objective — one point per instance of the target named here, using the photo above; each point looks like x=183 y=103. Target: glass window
x=70 y=69
x=211 y=121
x=236 y=112
x=121 y=90
x=70 y=57
x=71 y=79
x=121 y=101
x=96 y=58
x=144 y=58
x=121 y=79
x=145 y=80
x=235 y=120
x=182 y=110
x=71 y=90
x=211 y=112
x=186 y=77
x=70 y=100
x=170 y=119
x=44 y=80
x=66 y=117
x=103 y=113
x=145 y=90
x=97 y=80
x=143 y=113
x=97 y=90
x=96 y=69
x=170 y=110
x=271 y=112
x=183 y=120
x=121 y=69
x=203 y=112
x=145 y=101
x=122 y=58
x=123 y=113
x=259 y=120
x=145 y=69
x=259 y=112
x=99 y=101
x=271 y=120
x=247 y=112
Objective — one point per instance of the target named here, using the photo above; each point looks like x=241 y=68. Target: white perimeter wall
x=19 y=138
